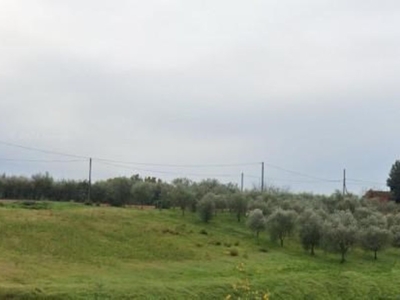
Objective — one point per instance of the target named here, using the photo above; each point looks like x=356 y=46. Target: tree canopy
x=393 y=182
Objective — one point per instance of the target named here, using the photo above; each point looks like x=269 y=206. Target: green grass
x=70 y=251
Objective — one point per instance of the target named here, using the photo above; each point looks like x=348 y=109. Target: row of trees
x=118 y=191
x=136 y=190
x=336 y=232
x=333 y=223
x=42 y=186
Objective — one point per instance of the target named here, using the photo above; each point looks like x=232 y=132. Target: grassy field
x=71 y=251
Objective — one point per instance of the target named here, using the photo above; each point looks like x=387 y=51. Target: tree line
x=335 y=224
x=119 y=191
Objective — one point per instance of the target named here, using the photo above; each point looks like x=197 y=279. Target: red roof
x=381 y=195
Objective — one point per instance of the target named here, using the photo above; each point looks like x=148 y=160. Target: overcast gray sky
x=310 y=86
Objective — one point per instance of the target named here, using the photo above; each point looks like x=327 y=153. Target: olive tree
x=181 y=196
x=238 y=205
x=395 y=230
x=310 y=229
x=206 y=207
x=340 y=232
x=280 y=224
x=374 y=238
x=142 y=193
x=256 y=222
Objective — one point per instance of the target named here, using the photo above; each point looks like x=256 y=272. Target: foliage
x=393 y=182
x=395 y=231
x=206 y=207
x=256 y=222
x=182 y=197
x=238 y=205
x=143 y=193
x=259 y=203
x=374 y=238
x=280 y=224
x=340 y=232
x=310 y=229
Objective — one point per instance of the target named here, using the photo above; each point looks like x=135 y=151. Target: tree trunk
x=281 y=242
x=375 y=256
x=258 y=242
x=343 y=260
x=312 y=250
x=238 y=217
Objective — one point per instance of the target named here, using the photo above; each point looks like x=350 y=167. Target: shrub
x=256 y=221
x=281 y=223
x=340 y=232
x=310 y=232
x=215 y=243
x=203 y=231
x=233 y=252
x=206 y=207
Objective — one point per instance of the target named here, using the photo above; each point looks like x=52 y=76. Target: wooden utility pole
x=90 y=179
x=344 y=182
x=241 y=182
x=262 y=177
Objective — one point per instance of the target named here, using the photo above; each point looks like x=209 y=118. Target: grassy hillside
x=70 y=251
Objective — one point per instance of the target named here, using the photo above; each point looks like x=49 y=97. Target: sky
x=202 y=89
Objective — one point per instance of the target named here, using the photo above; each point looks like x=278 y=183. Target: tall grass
x=69 y=251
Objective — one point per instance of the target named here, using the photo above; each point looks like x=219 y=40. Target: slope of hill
x=70 y=251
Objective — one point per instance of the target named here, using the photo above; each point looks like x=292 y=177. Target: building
x=382 y=196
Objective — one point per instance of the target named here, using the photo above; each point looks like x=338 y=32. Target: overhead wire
x=166 y=172
x=130 y=164
x=40 y=160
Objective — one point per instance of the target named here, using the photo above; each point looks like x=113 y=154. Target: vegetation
x=72 y=251
x=281 y=224
x=256 y=222
x=393 y=181
x=206 y=207
x=340 y=232
x=195 y=244
x=310 y=230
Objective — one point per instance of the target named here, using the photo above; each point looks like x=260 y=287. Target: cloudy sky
x=309 y=87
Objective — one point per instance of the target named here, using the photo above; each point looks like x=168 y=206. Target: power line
x=166 y=172
x=176 y=165
x=42 y=150
x=122 y=164
x=127 y=162
x=365 y=181
x=301 y=174
x=40 y=160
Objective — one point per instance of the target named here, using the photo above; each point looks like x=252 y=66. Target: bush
x=310 y=232
x=215 y=243
x=203 y=231
x=340 y=232
x=233 y=252
x=281 y=224
x=206 y=207
x=256 y=221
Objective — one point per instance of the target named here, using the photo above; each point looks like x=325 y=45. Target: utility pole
x=262 y=177
x=241 y=181
x=90 y=179
x=344 y=182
